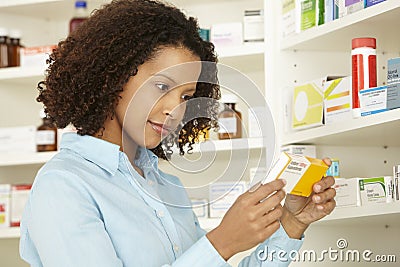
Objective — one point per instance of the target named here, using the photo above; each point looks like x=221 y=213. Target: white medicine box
x=223 y=195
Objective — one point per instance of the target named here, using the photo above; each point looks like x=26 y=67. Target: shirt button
x=176 y=248
x=149 y=182
x=160 y=213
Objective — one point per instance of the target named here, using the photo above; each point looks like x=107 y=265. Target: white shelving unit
x=10 y=232
x=13 y=159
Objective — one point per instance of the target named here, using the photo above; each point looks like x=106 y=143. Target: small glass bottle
x=46 y=135
x=229 y=119
x=14 y=49
x=81 y=14
x=3 y=48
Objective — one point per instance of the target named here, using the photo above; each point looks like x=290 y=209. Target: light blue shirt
x=89 y=207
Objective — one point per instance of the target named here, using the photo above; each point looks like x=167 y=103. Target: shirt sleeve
x=273 y=252
x=65 y=225
x=277 y=251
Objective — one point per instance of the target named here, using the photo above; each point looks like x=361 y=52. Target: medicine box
x=334 y=169
x=375 y=190
x=18 y=139
x=5 y=190
x=19 y=197
x=300 y=172
x=308 y=14
x=393 y=96
x=396 y=184
x=307 y=105
x=330 y=13
x=223 y=195
x=393 y=75
x=36 y=56
x=368 y=3
x=253 y=25
x=200 y=207
x=373 y=100
x=227 y=34
x=346 y=7
x=303 y=150
x=347 y=192
x=290 y=17
x=337 y=100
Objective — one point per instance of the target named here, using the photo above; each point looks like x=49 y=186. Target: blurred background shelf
x=13 y=159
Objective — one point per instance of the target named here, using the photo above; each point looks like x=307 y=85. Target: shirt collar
x=100 y=152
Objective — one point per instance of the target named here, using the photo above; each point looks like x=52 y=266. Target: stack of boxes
x=300 y=15
x=12 y=202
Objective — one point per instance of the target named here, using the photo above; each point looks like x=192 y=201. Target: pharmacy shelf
x=229 y=144
x=27 y=76
x=380 y=21
x=380 y=129
x=247 y=49
x=12 y=159
x=373 y=214
x=9 y=232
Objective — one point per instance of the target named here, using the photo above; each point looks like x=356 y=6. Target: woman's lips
x=160 y=128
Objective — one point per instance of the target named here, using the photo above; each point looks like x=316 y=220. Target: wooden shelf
x=12 y=159
x=380 y=21
x=380 y=129
x=10 y=232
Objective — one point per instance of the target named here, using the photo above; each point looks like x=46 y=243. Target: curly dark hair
x=88 y=69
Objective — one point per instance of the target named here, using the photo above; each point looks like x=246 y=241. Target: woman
x=123 y=80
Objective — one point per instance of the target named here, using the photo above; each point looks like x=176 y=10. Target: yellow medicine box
x=300 y=172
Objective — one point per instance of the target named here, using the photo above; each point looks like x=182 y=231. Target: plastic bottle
x=3 y=48
x=81 y=14
x=46 y=135
x=363 y=55
x=14 y=48
x=229 y=119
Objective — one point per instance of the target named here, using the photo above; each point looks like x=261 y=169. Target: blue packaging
x=368 y=3
x=329 y=10
x=333 y=169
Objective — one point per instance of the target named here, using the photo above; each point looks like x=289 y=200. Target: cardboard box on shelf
x=18 y=139
x=376 y=190
x=303 y=150
x=222 y=196
x=347 y=192
x=368 y=3
x=200 y=207
x=337 y=100
x=373 y=100
x=307 y=106
x=5 y=190
x=290 y=18
x=227 y=34
x=36 y=56
x=19 y=197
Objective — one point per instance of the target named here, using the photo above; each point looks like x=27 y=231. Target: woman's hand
x=299 y=212
x=252 y=219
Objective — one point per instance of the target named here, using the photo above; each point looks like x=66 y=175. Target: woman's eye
x=187 y=97
x=162 y=86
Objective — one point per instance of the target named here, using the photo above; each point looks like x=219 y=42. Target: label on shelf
x=227 y=125
x=45 y=137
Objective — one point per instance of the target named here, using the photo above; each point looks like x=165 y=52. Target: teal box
x=204 y=34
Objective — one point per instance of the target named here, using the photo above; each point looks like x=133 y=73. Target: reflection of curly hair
x=89 y=68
